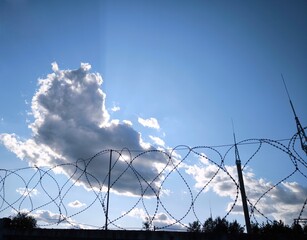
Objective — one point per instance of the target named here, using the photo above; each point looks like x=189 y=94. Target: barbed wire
x=175 y=165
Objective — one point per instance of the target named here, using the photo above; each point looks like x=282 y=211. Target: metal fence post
x=108 y=193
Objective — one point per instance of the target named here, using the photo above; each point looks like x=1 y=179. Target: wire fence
x=121 y=184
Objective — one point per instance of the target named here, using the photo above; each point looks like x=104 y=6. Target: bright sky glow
x=80 y=77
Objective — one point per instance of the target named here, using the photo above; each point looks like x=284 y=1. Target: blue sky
x=191 y=66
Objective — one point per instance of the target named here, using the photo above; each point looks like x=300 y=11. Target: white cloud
x=27 y=191
x=40 y=155
x=46 y=217
x=283 y=202
x=157 y=141
x=115 y=108
x=55 y=67
x=160 y=220
x=138 y=213
x=127 y=122
x=76 y=204
x=114 y=121
x=71 y=122
x=150 y=122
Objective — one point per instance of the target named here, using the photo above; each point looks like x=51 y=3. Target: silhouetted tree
x=147 y=224
x=297 y=229
x=235 y=228
x=194 y=227
x=275 y=228
x=209 y=226
x=23 y=221
x=6 y=222
x=216 y=226
x=221 y=225
x=265 y=231
x=255 y=228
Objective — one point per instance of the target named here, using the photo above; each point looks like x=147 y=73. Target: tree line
x=268 y=230
x=217 y=226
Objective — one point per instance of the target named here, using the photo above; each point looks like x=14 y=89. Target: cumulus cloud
x=283 y=202
x=159 y=221
x=76 y=204
x=138 y=213
x=46 y=218
x=27 y=191
x=71 y=122
x=127 y=122
x=157 y=141
x=150 y=122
